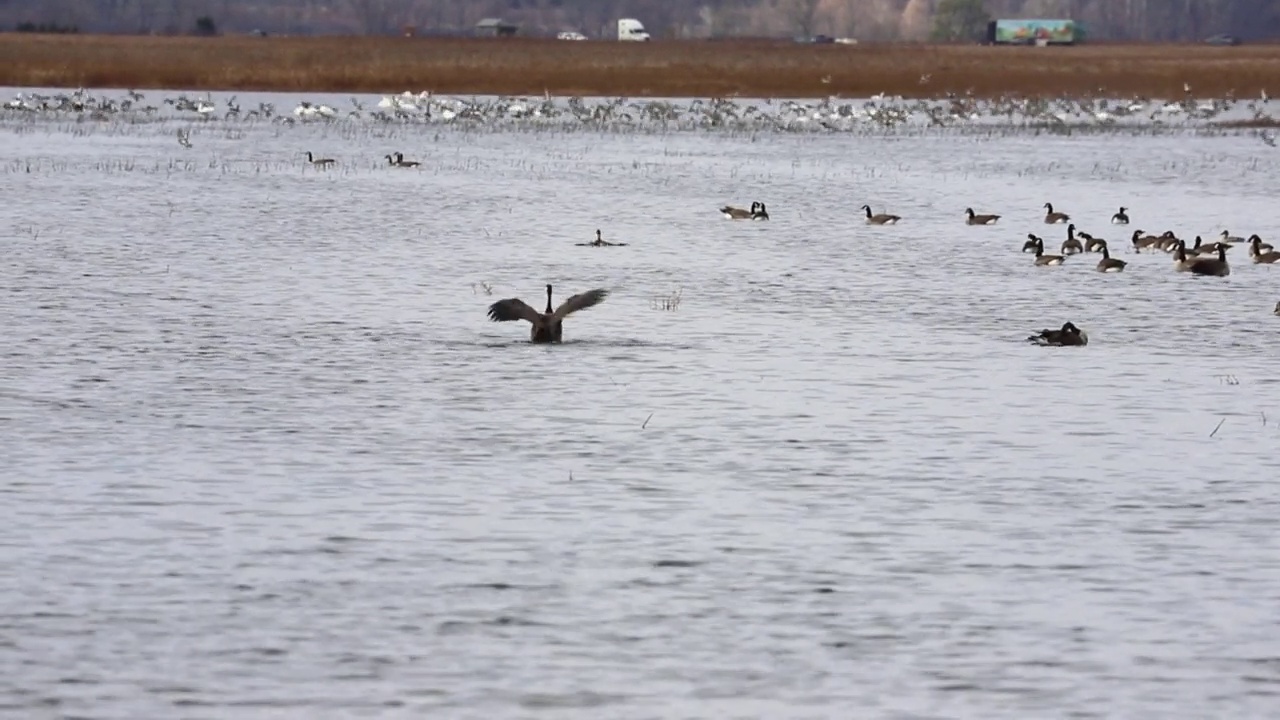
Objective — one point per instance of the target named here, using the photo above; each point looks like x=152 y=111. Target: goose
x=1042 y=259
x=1092 y=244
x=323 y=162
x=1141 y=241
x=1201 y=249
x=1120 y=218
x=1227 y=237
x=401 y=162
x=881 y=219
x=981 y=219
x=1071 y=245
x=1216 y=267
x=1109 y=264
x=1069 y=335
x=1054 y=218
x=1169 y=242
x=1277 y=310
x=600 y=242
x=760 y=214
x=733 y=213
x=548 y=325
x=1260 y=246
x=1031 y=243
x=1261 y=257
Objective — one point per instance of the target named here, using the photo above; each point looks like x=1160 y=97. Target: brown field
x=659 y=69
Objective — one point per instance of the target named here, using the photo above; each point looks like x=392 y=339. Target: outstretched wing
x=581 y=301
x=513 y=309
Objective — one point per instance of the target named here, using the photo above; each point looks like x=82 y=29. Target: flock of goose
x=831 y=114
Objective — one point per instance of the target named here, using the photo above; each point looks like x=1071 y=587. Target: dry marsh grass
x=658 y=69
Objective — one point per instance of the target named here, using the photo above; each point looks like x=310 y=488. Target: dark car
x=1222 y=40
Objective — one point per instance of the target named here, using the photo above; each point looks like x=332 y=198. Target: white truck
x=632 y=30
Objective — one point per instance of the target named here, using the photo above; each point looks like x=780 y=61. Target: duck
x=323 y=162
x=1071 y=245
x=600 y=242
x=1109 y=264
x=733 y=213
x=1260 y=256
x=1260 y=246
x=1069 y=335
x=547 y=325
x=980 y=219
x=881 y=219
x=1042 y=259
x=1120 y=218
x=760 y=214
x=401 y=162
x=1031 y=243
x=1141 y=241
x=1054 y=218
x=1215 y=267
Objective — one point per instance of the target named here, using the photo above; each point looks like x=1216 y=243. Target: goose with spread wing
x=547 y=325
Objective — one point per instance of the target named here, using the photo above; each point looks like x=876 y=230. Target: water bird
x=1092 y=244
x=1215 y=267
x=547 y=325
x=183 y=138
x=1042 y=259
x=1109 y=264
x=323 y=162
x=760 y=214
x=1259 y=255
x=1120 y=218
x=600 y=242
x=880 y=219
x=1259 y=246
x=1141 y=241
x=1031 y=243
x=1277 y=310
x=980 y=219
x=1054 y=218
x=733 y=213
x=1227 y=237
x=1071 y=245
x=401 y=162
x=1069 y=335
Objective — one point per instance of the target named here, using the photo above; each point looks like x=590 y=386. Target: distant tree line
x=1150 y=20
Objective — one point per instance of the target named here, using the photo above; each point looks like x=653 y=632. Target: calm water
x=265 y=456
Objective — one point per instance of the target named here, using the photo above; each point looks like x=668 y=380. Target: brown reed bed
x=658 y=69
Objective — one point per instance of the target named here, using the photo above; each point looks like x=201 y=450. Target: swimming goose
x=1216 y=267
x=1031 y=243
x=1042 y=259
x=760 y=214
x=1227 y=237
x=1261 y=246
x=1071 y=245
x=1169 y=242
x=1120 y=218
x=323 y=162
x=733 y=213
x=1141 y=241
x=600 y=242
x=547 y=325
x=401 y=162
x=881 y=219
x=1109 y=264
x=1069 y=335
x=1260 y=256
x=1092 y=244
x=981 y=219
x=1054 y=218
x=1201 y=249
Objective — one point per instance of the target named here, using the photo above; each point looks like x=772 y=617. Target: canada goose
x=1277 y=310
x=733 y=213
x=881 y=219
x=323 y=162
x=1260 y=246
x=1260 y=256
x=548 y=325
x=600 y=242
x=760 y=214
x=1227 y=237
x=1054 y=218
x=981 y=219
x=1216 y=267
x=1141 y=241
x=401 y=162
x=1169 y=242
x=1092 y=244
x=1069 y=335
x=1042 y=259
x=1031 y=243
x=1201 y=249
x=1120 y=218
x=1109 y=264
x=1071 y=245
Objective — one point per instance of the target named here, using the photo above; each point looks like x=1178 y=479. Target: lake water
x=264 y=455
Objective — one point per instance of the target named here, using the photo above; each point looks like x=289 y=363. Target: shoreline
x=669 y=69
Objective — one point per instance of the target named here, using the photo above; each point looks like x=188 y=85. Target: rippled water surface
x=264 y=456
